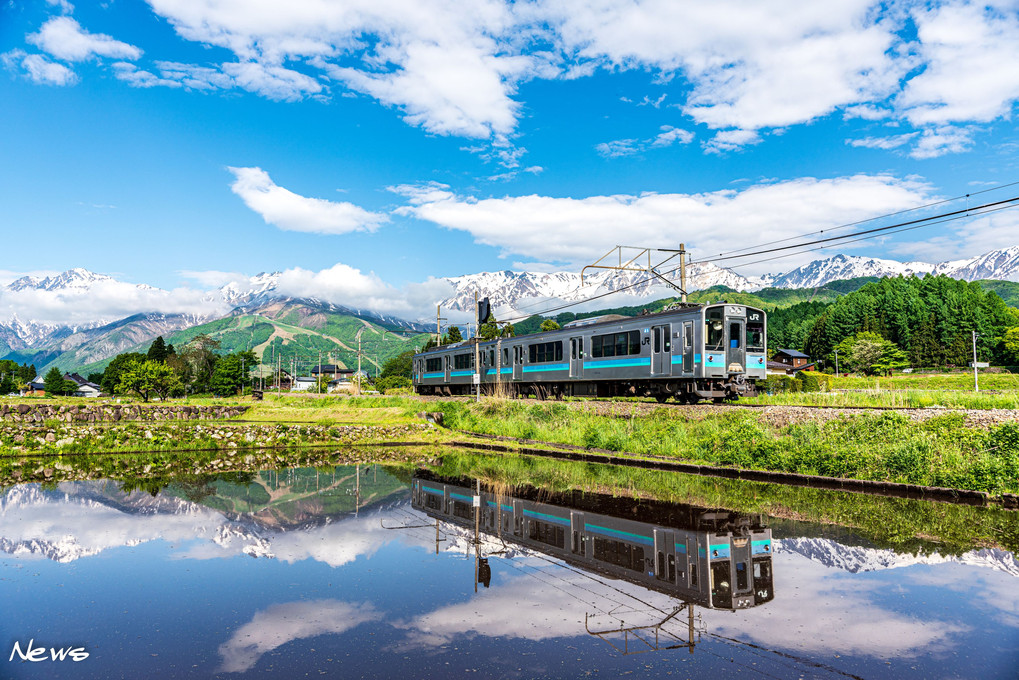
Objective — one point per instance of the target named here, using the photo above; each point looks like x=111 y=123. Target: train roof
x=594 y=322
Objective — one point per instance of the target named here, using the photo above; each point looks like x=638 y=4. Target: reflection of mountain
x=857 y=559
x=80 y=519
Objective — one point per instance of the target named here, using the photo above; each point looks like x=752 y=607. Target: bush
x=392 y=382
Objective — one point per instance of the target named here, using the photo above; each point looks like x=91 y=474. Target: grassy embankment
x=884 y=446
x=905 y=525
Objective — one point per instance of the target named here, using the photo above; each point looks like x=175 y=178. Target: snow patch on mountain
x=857 y=559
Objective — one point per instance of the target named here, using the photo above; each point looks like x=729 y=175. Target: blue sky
x=369 y=145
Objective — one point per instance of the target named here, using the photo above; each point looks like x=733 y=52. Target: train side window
x=668 y=339
x=432 y=365
x=672 y=568
x=693 y=574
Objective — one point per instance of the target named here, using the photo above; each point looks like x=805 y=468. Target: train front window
x=714 y=336
x=721 y=587
x=755 y=336
x=734 y=336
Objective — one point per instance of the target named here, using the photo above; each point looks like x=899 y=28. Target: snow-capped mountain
x=857 y=559
x=505 y=289
x=73 y=279
x=256 y=290
x=998 y=264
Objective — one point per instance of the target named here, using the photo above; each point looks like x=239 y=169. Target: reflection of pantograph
x=650 y=637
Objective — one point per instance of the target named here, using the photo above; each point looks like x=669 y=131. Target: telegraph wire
x=983 y=209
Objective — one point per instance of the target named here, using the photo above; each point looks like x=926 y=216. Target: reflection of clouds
x=67 y=528
x=996 y=592
x=283 y=623
x=535 y=601
x=818 y=609
x=333 y=544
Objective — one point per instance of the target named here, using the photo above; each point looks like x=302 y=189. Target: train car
x=715 y=558
x=694 y=352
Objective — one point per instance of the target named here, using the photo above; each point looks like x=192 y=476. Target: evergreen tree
x=54 y=382
x=452 y=336
x=157 y=350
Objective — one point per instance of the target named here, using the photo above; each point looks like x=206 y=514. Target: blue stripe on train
x=548 y=367
x=616 y=363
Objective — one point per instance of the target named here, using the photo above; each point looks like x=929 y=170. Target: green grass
x=962 y=381
x=909 y=398
x=884 y=446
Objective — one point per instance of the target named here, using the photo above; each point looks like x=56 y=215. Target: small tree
x=137 y=377
x=55 y=383
x=452 y=336
x=1011 y=341
x=549 y=325
x=398 y=366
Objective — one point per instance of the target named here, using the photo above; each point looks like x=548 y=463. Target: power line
x=909 y=225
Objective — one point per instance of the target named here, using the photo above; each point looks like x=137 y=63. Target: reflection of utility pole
x=477 y=526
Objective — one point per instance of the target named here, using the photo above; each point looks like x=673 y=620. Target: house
x=85 y=388
x=37 y=386
x=333 y=371
x=304 y=385
x=789 y=362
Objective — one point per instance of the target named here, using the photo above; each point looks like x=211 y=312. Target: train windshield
x=755 y=336
x=714 y=335
x=721 y=585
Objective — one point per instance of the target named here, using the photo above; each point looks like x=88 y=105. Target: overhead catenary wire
x=987 y=208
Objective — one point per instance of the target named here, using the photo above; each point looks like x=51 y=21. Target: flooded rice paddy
x=375 y=571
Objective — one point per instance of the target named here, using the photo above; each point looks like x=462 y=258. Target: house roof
x=792 y=353
x=81 y=382
x=330 y=368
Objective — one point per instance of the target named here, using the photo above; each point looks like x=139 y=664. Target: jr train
x=714 y=558
x=694 y=352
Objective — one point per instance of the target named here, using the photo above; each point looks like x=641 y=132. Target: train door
x=661 y=350
x=577 y=357
x=518 y=362
x=446 y=360
x=665 y=555
x=577 y=544
x=735 y=354
x=688 y=347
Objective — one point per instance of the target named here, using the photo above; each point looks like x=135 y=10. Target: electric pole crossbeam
x=632 y=265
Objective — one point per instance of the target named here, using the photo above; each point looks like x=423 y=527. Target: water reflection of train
x=715 y=558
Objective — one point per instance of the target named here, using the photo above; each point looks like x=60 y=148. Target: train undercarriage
x=684 y=391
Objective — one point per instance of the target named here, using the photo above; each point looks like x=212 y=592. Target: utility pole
x=438 y=329
x=357 y=382
x=477 y=355
x=682 y=272
x=319 y=372
x=976 y=387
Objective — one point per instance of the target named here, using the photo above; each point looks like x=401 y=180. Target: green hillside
x=1006 y=290
x=301 y=335
x=768 y=299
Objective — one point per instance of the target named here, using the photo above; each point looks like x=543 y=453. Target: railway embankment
x=956 y=450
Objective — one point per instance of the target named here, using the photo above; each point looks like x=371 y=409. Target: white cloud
x=64 y=38
x=271 y=81
x=578 y=231
x=731 y=140
x=668 y=136
x=751 y=66
x=889 y=142
x=282 y=623
x=968 y=238
x=936 y=142
x=349 y=287
x=106 y=300
x=136 y=77
x=292 y=212
x=970 y=51
x=38 y=68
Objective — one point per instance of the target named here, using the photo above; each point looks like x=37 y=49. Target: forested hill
x=767 y=298
x=932 y=319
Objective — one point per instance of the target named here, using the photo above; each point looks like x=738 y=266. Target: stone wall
x=95 y=413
